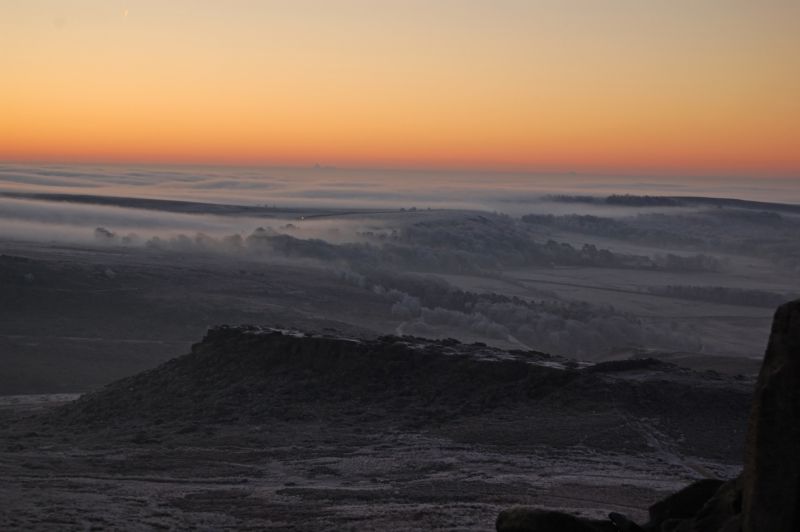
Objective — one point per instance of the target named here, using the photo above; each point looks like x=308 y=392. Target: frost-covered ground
x=319 y=480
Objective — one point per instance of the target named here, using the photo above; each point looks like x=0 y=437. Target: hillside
x=247 y=375
x=268 y=428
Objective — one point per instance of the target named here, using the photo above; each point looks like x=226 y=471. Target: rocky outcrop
x=704 y=506
x=252 y=375
x=771 y=477
x=764 y=498
x=523 y=519
x=682 y=505
x=245 y=375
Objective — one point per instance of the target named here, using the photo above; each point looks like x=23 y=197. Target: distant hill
x=633 y=200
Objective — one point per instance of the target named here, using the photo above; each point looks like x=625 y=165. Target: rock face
x=764 y=498
x=771 y=478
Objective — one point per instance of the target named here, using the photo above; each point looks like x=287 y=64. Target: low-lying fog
x=370 y=189
x=588 y=267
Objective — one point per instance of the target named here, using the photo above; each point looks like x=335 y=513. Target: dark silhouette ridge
x=244 y=375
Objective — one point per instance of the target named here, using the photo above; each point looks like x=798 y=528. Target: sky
x=701 y=87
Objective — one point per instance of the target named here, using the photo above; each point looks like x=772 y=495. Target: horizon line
x=438 y=169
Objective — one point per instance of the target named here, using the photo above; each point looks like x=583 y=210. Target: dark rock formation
x=248 y=375
x=523 y=519
x=722 y=513
x=764 y=498
x=684 y=504
x=704 y=506
x=771 y=487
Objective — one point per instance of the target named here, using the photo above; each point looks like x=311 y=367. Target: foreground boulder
x=771 y=477
x=523 y=519
x=684 y=504
x=764 y=498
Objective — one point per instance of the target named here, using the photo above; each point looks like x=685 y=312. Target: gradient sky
x=626 y=86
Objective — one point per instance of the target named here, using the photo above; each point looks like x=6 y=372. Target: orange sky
x=563 y=85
